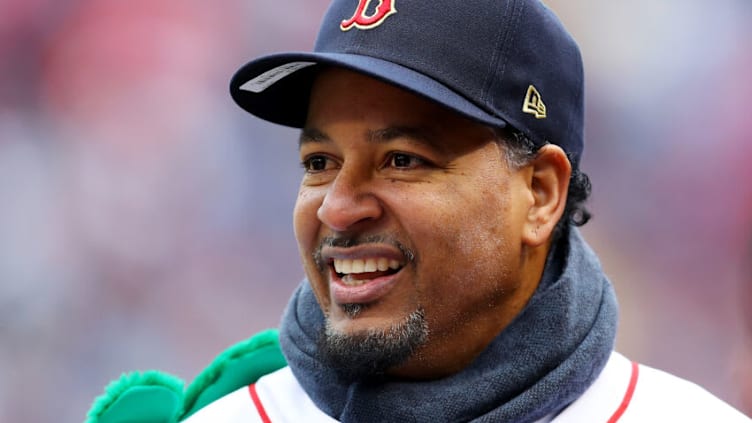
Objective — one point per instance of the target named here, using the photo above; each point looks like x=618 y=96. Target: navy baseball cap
x=498 y=62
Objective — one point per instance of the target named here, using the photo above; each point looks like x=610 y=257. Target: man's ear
x=549 y=184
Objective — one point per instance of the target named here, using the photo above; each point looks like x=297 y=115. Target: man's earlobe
x=549 y=185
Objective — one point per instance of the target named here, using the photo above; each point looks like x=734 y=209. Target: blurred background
x=145 y=220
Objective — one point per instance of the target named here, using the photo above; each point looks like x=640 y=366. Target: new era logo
x=533 y=103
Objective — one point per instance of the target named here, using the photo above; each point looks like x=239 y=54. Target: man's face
x=405 y=211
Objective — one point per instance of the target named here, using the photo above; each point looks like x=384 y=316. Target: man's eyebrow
x=312 y=135
x=412 y=134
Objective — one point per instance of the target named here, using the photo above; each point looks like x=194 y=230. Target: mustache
x=347 y=241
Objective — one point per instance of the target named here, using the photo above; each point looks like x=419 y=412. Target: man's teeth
x=348 y=266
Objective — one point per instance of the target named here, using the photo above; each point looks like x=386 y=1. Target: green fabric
x=156 y=397
x=152 y=397
x=240 y=365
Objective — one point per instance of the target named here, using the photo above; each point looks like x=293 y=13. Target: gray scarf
x=539 y=364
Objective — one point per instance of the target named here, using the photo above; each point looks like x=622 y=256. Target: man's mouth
x=356 y=272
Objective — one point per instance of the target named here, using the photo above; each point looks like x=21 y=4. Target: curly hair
x=520 y=150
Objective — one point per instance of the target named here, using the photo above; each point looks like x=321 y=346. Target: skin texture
x=388 y=173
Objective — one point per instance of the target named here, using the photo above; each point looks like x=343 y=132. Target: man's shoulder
x=276 y=397
x=626 y=391
x=670 y=398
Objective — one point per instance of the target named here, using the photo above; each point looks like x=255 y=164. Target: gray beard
x=371 y=353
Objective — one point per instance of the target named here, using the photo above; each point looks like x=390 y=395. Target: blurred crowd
x=145 y=220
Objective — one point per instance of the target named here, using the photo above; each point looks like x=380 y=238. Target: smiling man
x=441 y=144
x=416 y=226
x=436 y=222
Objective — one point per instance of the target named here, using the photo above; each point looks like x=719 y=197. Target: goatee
x=372 y=352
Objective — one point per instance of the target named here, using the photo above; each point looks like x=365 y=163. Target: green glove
x=156 y=397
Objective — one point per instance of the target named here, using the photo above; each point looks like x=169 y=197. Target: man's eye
x=405 y=161
x=317 y=163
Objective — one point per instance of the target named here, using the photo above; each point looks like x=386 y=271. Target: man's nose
x=349 y=201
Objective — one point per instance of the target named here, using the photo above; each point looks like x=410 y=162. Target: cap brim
x=280 y=85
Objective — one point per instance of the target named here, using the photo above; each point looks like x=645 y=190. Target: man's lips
x=362 y=274
x=364 y=288
x=355 y=270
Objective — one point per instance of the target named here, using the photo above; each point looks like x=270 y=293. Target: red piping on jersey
x=257 y=403
x=628 y=395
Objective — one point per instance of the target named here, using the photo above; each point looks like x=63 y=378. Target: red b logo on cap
x=363 y=21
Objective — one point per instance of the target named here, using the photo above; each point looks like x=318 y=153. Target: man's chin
x=361 y=346
x=362 y=320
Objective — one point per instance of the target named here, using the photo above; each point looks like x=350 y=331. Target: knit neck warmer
x=541 y=362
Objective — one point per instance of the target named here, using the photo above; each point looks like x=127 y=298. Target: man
x=441 y=144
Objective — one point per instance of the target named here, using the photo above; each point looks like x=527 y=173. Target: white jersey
x=624 y=392
x=276 y=397
x=627 y=392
